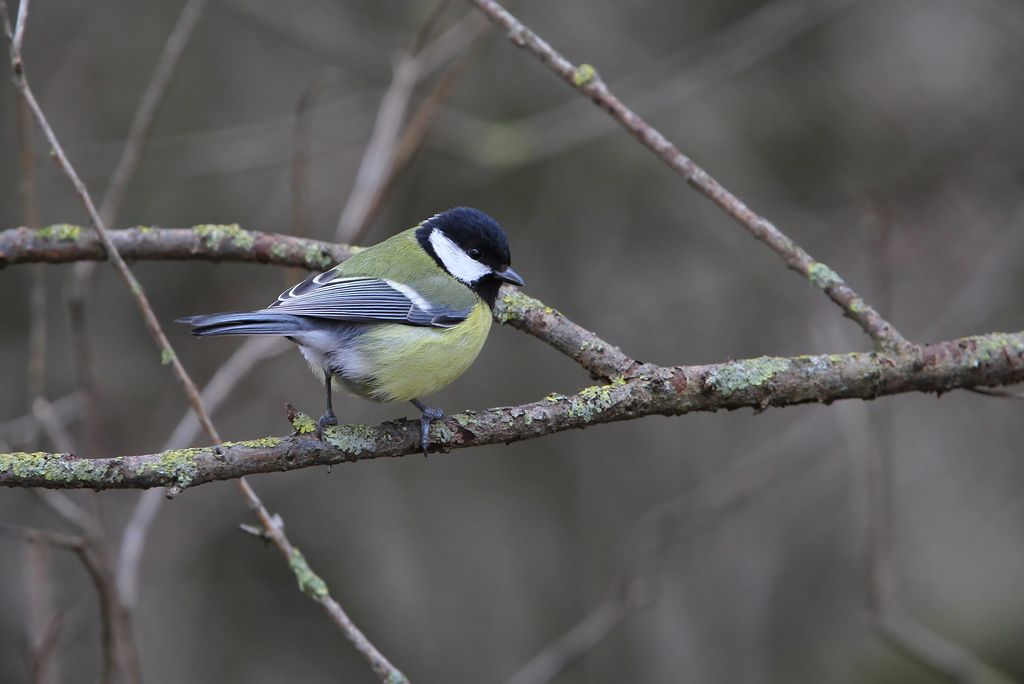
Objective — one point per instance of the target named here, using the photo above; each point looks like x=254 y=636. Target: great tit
x=396 y=321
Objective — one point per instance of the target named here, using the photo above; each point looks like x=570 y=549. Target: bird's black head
x=472 y=247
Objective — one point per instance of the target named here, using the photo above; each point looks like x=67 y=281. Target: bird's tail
x=246 y=323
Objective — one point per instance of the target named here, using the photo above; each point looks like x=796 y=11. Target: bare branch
x=653 y=88
x=155 y=329
x=25 y=429
x=30 y=216
x=422 y=120
x=228 y=375
x=581 y=637
x=149 y=105
x=1001 y=394
x=585 y=79
x=19 y=27
x=119 y=632
x=94 y=568
x=411 y=66
x=945 y=658
x=313 y=586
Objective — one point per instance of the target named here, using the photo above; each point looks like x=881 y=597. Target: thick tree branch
x=585 y=79
x=984 y=360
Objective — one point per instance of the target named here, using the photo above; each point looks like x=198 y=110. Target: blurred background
x=884 y=137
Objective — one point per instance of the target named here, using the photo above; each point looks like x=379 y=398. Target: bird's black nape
x=478 y=235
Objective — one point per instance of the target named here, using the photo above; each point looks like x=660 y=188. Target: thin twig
x=652 y=88
x=892 y=623
x=411 y=66
x=582 y=637
x=93 y=566
x=216 y=392
x=153 y=325
x=149 y=106
x=52 y=425
x=37 y=289
x=379 y=150
x=315 y=588
x=422 y=120
x=585 y=79
x=127 y=165
x=25 y=429
x=302 y=148
x=1002 y=394
x=303 y=572
x=39 y=621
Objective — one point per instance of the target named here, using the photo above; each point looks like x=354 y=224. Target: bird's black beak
x=509 y=276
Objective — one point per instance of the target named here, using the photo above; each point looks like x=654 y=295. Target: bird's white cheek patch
x=458 y=263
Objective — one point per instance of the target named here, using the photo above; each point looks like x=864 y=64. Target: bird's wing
x=365 y=300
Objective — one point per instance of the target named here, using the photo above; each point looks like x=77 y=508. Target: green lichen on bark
x=513 y=306
x=821 y=276
x=310 y=583
x=317 y=259
x=214 y=234
x=177 y=465
x=592 y=400
x=741 y=375
x=261 y=443
x=302 y=424
x=584 y=74
x=62 y=232
x=992 y=346
x=352 y=439
x=56 y=468
x=279 y=251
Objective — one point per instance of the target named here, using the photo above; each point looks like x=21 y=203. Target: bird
x=396 y=321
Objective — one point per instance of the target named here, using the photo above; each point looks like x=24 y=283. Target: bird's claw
x=429 y=416
x=325 y=420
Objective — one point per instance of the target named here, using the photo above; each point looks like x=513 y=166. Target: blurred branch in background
x=380 y=160
x=119 y=658
x=585 y=79
x=252 y=352
x=655 y=88
x=80 y=283
x=122 y=638
x=629 y=389
x=689 y=512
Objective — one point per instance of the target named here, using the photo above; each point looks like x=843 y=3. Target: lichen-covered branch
x=585 y=79
x=66 y=243
x=983 y=360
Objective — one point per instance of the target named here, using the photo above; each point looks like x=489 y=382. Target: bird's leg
x=429 y=415
x=328 y=418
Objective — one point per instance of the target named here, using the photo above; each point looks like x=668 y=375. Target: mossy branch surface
x=65 y=243
x=760 y=383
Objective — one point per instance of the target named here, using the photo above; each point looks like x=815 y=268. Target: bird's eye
x=474 y=252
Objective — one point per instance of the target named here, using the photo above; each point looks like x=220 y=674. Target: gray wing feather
x=363 y=300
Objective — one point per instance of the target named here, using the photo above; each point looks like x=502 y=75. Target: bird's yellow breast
x=412 y=361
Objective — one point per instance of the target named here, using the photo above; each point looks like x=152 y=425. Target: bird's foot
x=327 y=419
x=429 y=416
